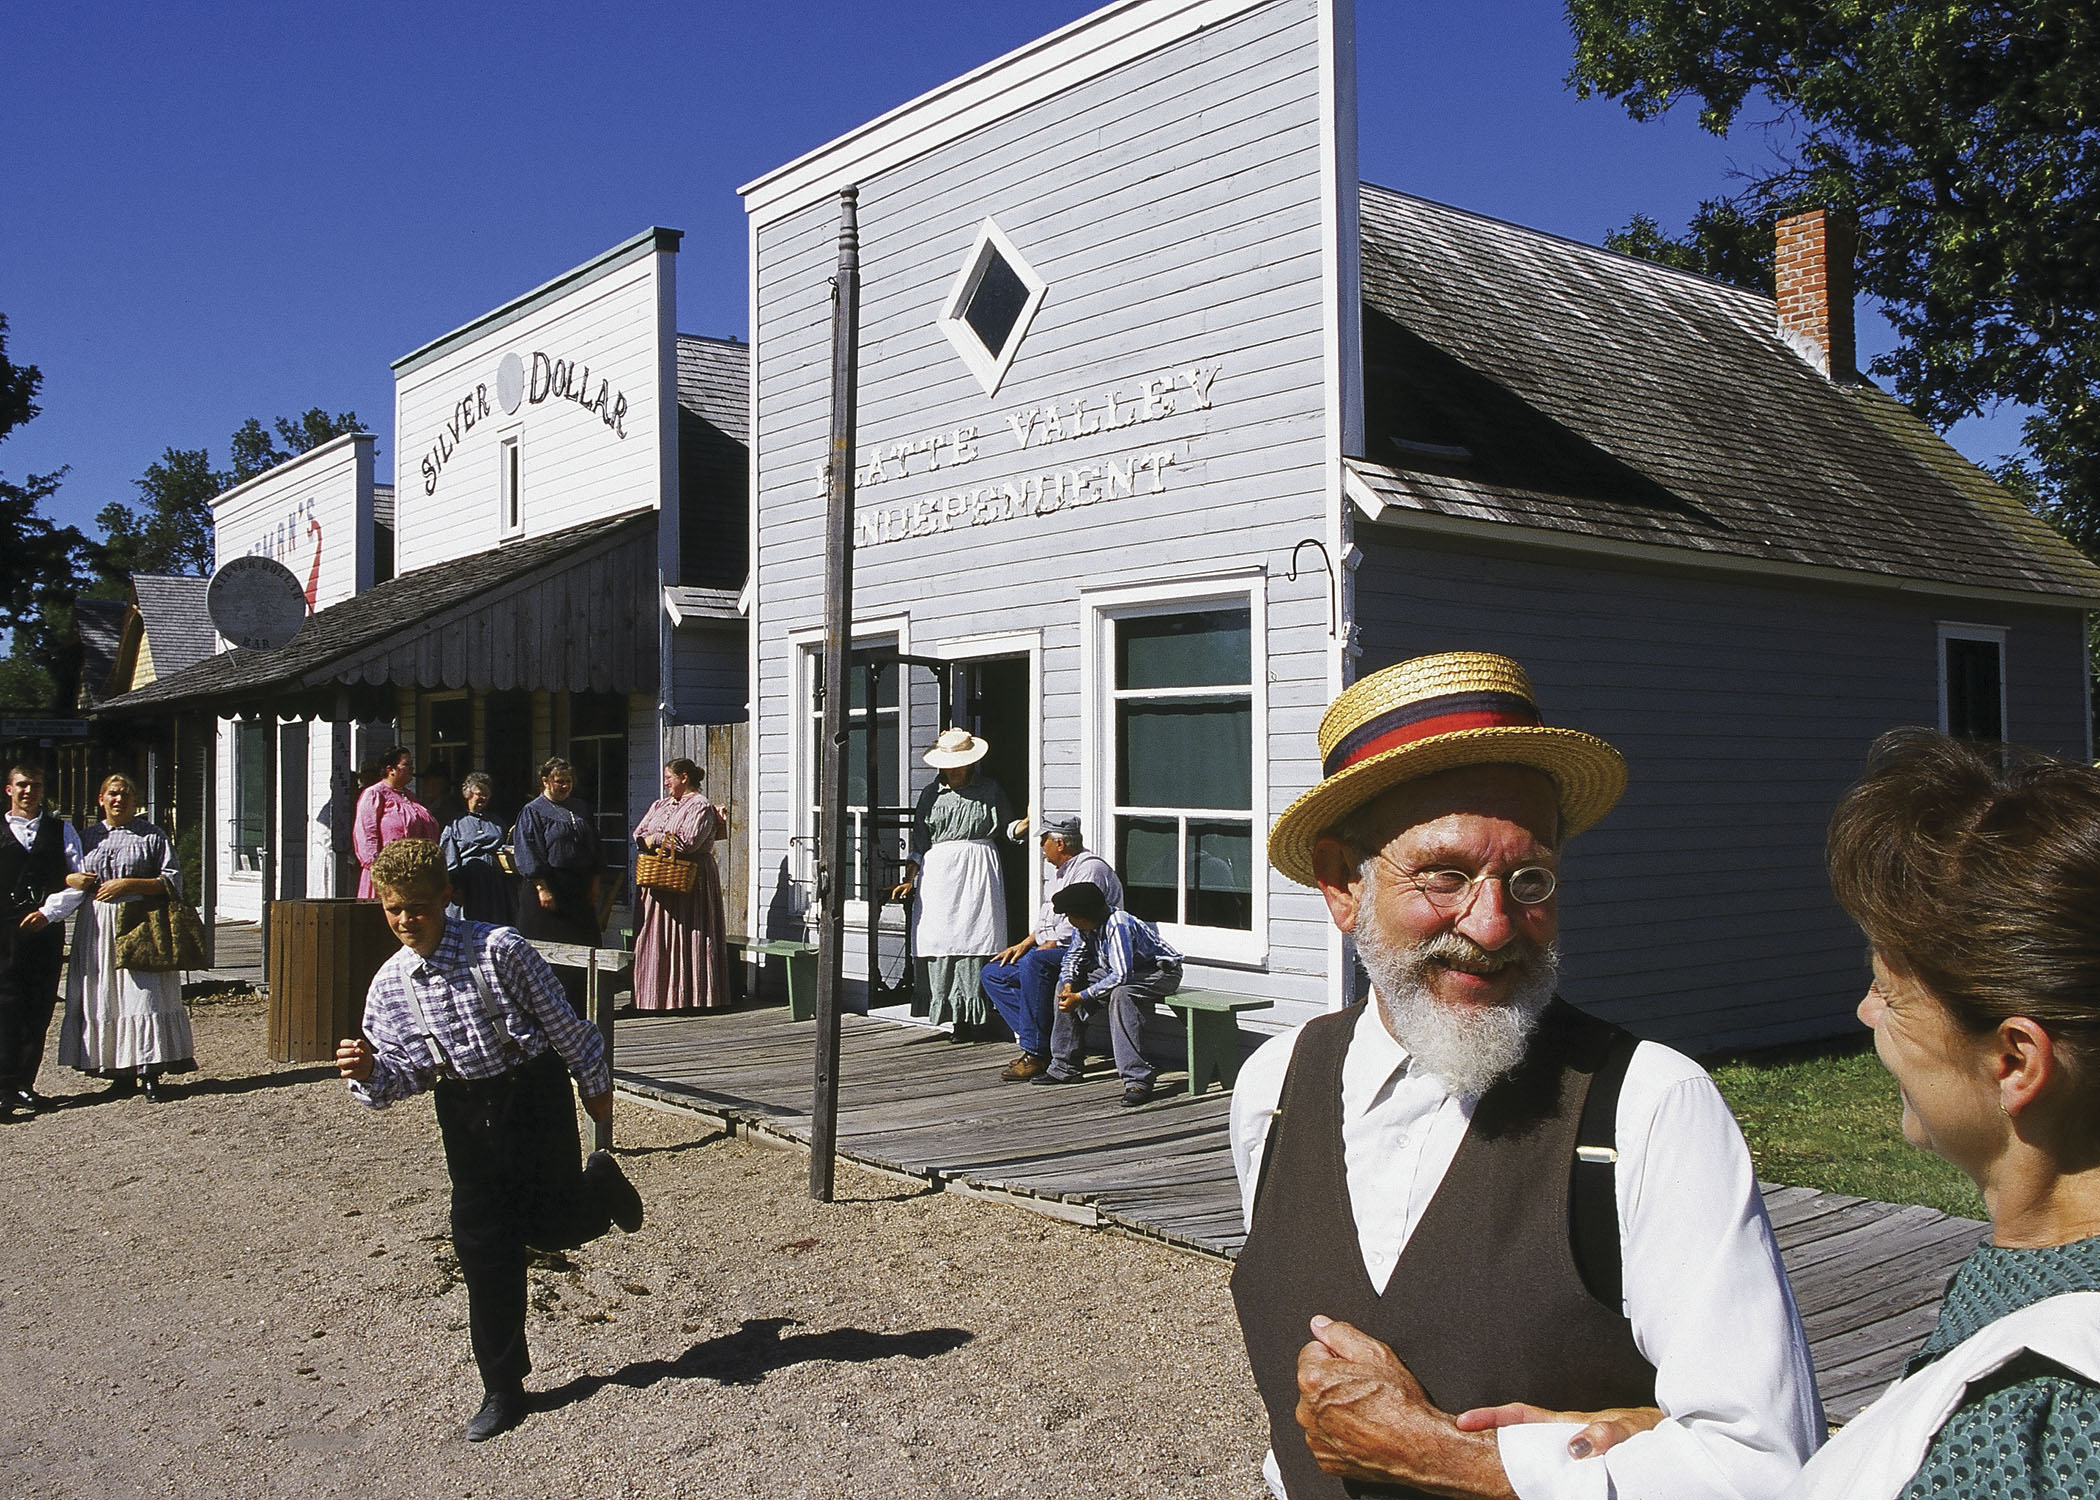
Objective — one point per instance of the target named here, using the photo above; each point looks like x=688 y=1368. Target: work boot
x=500 y=1411
x=1023 y=1068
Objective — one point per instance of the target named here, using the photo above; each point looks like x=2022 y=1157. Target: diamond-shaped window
x=989 y=307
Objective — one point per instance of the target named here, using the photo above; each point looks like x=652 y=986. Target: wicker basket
x=665 y=872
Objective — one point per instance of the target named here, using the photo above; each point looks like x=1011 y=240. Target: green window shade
x=1211 y=648
x=1185 y=752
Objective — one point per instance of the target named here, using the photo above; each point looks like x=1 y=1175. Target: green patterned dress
x=2032 y=1429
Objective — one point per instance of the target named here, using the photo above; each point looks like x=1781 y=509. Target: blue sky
x=248 y=209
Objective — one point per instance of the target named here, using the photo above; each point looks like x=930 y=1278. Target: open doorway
x=994 y=703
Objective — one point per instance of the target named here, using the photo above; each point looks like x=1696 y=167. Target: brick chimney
x=1814 y=285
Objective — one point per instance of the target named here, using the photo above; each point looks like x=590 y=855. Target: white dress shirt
x=1705 y=1291
x=64 y=901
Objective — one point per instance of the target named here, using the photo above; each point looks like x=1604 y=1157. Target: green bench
x=801 y=969
x=1213 y=1034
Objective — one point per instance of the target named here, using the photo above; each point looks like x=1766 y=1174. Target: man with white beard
x=1479 y=1219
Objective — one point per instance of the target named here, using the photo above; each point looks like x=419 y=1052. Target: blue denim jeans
x=1126 y=1006
x=1025 y=993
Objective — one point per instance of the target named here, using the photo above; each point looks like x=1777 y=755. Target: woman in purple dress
x=385 y=812
x=679 y=959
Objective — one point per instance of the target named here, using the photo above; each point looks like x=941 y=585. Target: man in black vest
x=38 y=854
x=1473 y=1210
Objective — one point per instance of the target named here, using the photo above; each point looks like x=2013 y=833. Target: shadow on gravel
x=290 y=1077
x=713 y=1137
x=754 y=1351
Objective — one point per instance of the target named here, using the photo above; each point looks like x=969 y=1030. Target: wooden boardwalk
x=1868 y=1276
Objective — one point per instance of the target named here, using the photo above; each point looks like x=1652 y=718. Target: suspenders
x=490 y=1011
x=1593 y=1197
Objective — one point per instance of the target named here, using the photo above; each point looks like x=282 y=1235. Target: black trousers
x=517 y=1181
x=28 y=995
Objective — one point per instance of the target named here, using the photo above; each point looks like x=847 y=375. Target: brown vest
x=1486 y=1304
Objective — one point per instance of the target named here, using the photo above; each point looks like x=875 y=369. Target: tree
x=42 y=565
x=170 y=530
x=1965 y=141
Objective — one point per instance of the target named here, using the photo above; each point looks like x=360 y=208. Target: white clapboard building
x=556 y=569
x=1168 y=428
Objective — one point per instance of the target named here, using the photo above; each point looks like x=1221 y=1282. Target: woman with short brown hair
x=1975 y=872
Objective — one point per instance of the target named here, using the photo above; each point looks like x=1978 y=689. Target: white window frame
x=1956 y=630
x=989 y=368
x=806 y=642
x=1099 y=608
x=510 y=482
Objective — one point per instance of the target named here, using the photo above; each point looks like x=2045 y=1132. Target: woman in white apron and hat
x=959 y=918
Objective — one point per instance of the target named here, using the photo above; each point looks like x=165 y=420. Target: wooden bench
x=801 y=969
x=596 y=963
x=1213 y=1034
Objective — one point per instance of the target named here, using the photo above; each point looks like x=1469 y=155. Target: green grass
x=1833 y=1120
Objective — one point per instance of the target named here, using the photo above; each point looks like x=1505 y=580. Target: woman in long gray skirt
x=959 y=920
x=126 y=1025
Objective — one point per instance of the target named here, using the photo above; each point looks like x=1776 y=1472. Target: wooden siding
x=710 y=682
x=573 y=467
x=310 y=513
x=1698 y=912
x=1170 y=236
x=589 y=627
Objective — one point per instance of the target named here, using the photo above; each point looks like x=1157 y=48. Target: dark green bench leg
x=1214 y=1049
x=802 y=986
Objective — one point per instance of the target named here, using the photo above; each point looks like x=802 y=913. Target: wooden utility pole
x=834 y=844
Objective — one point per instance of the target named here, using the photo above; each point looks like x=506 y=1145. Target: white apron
x=1874 y=1456
x=961 y=907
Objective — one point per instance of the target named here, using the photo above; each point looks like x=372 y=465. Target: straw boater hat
x=1437 y=713
x=956 y=747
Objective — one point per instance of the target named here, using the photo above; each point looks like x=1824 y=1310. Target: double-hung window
x=1183 y=784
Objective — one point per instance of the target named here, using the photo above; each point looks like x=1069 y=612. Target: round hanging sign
x=256 y=602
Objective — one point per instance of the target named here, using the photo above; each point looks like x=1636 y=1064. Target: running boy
x=473 y=1013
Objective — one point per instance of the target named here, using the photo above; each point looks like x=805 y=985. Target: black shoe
x=621 y=1200
x=123 y=1086
x=1137 y=1094
x=1048 y=1077
x=9 y=1110
x=155 y=1093
x=500 y=1411
x=31 y=1100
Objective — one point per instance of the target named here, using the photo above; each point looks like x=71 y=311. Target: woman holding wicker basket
x=679 y=957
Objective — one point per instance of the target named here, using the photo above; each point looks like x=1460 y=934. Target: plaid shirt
x=1120 y=947
x=531 y=1011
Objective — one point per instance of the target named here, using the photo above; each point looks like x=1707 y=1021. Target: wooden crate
x=323 y=954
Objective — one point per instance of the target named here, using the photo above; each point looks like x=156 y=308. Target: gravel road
x=248 y=1291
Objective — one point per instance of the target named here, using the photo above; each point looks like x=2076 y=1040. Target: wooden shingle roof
x=573 y=610
x=1514 y=377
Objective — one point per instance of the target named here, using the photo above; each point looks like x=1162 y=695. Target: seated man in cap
x=1466 y=1194
x=1114 y=963
x=1021 y=982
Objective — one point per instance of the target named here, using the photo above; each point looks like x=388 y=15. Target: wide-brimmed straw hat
x=956 y=747
x=1438 y=713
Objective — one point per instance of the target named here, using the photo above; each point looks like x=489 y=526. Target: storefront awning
x=572 y=611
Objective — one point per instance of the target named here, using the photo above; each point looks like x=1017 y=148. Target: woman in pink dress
x=679 y=961
x=385 y=812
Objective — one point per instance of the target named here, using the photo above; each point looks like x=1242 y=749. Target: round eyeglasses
x=1452 y=890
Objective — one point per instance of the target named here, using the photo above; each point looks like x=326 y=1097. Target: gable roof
x=173 y=615
x=1514 y=377
x=570 y=610
x=100 y=625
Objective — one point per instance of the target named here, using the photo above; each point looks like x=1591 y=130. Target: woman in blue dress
x=471 y=841
x=561 y=868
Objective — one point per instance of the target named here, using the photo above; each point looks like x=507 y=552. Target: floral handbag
x=166 y=937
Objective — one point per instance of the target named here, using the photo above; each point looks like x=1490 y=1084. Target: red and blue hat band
x=1427 y=717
